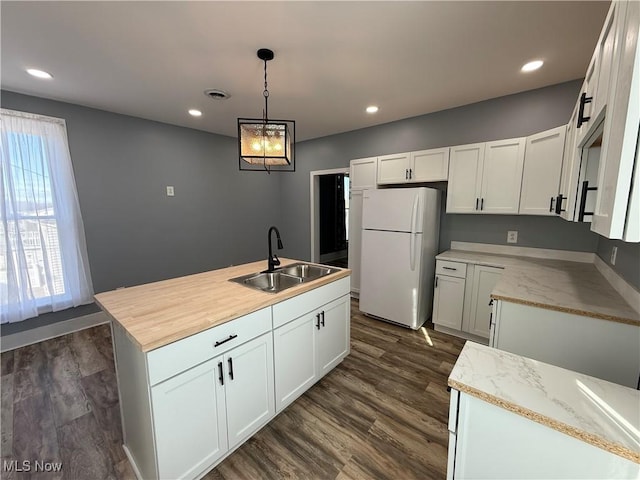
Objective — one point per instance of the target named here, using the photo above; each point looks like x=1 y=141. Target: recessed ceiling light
x=195 y=113
x=372 y=109
x=531 y=66
x=34 y=72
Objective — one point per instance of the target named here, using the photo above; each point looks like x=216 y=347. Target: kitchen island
x=203 y=363
x=513 y=417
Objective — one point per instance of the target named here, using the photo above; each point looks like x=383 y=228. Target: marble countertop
x=595 y=411
x=156 y=314
x=567 y=286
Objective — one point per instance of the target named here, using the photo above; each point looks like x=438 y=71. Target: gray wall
x=135 y=233
x=627 y=259
x=505 y=117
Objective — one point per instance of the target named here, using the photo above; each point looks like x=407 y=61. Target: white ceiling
x=154 y=59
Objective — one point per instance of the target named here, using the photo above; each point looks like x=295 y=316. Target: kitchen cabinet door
x=618 y=161
x=568 y=193
x=355 y=239
x=249 y=388
x=393 y=168
x=189 y=421
x=363 y=173
x=541 y=173
x=465 y=178
x=502 y=176
x=333 y=334
x=294 y=359
x=448 y=301
x=484 y=281
x=429 y=165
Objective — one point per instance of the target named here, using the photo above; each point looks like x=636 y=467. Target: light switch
x=170 y=192
x=512 y=236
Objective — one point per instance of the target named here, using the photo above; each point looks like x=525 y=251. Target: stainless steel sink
x=307 y=271
x=268 y=281
x=284 y=277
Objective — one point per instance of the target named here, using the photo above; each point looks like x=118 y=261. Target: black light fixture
x=265 y=144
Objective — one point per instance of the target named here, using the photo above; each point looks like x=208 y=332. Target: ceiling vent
x=216 y=94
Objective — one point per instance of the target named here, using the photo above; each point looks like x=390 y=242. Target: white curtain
x=43 y=253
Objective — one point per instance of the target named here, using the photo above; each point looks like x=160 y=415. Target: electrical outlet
x=170 y=192
x=512 y=236
x=614 y=254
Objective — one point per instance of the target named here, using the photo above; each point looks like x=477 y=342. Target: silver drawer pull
x=231 y=337
x=449 y=268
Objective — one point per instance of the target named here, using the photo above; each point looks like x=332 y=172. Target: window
x=43 y=259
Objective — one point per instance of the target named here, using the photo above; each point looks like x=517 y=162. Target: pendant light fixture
x=263 y=143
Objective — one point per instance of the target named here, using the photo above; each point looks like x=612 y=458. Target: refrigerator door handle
x=412 y=237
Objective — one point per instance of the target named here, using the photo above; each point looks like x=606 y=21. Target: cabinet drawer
x=293 y=308
x=176 y=357
x=452 y=269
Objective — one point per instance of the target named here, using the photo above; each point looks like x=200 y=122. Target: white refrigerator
x=399 y=243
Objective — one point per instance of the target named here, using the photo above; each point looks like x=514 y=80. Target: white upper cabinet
x=502 y=176
x=414 y=167
x=565 y=204
x=429 y=165
x=616 y=199
x=595 y=89
x=541 y=174
x=465 y=178
x=363 y=173
x=393 y=168
x=486 y=177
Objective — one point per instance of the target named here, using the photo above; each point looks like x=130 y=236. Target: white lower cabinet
x=187 y=405
x=448 y=300
x=600 y=348
x=309 y=347
x=484 y=281
x=190 y=421
x=461 y=299
x=202 y=413
x=490 y=442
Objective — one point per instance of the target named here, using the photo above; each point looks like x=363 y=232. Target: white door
x=430 y=165
x=295 y=358
x=541 y=174
x=249 y=388
x=363 y=173
x=465 y=178
x=502 y=176
x=355 y=238
x=333 y=334
x=389 y=284
x=393 y=168
x=395 y=209
x=484 y=281
x=448 y=300
x=189 y=420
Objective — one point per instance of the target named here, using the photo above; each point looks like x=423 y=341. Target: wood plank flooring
x=381 y=414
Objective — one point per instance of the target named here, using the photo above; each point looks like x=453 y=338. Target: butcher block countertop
x=595 y=411
x=566 y=286
x=159 y=313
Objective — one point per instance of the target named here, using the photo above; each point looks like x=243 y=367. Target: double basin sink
x=284 y=277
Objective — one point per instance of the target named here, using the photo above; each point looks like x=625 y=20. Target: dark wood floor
x=381 y=414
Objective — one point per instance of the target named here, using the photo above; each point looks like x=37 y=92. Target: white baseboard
x=619 y=284
x=584 y=257
x=46 y=332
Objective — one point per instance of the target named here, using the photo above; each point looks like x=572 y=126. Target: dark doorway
x=334 y=218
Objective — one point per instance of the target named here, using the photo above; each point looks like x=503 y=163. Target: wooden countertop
x=566 y=286
x=159 y=313
x=595 y=411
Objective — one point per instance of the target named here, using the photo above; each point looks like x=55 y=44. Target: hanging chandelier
x=263 y=143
